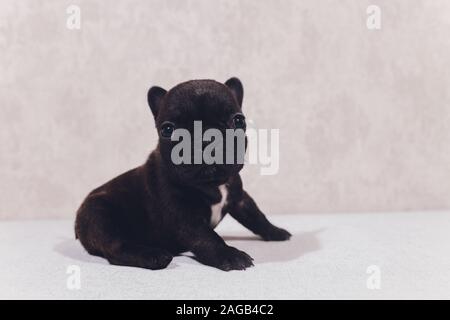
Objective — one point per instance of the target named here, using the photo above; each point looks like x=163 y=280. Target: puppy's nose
x=197 y=145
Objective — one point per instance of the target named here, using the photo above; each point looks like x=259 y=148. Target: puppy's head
x=178 y=113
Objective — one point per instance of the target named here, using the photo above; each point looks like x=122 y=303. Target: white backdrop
x=364 y=115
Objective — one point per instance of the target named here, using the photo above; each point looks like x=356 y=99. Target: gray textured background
x=363 y=115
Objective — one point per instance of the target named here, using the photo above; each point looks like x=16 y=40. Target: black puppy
x=147 y=215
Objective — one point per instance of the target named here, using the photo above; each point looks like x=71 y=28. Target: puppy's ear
x=236 y=88
x=154 y=99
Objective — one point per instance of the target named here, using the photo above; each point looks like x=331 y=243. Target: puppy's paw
x=148 y=258
x=276 y=234
x=231 y=258
x=161 y=260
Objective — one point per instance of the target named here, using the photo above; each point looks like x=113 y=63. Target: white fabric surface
x=327 y=258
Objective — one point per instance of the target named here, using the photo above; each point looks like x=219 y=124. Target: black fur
x=147 y=215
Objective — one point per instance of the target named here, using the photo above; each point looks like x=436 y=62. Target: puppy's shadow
x=276 y=251
x=72 y=248
x=261 y=251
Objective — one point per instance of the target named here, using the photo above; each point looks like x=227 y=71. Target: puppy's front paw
x=276 y=234
x=231 y=258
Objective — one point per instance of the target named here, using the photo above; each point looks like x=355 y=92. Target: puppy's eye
x=167 y=129
x=239 y=121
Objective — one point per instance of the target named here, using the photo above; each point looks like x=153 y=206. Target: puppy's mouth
x=211 y=173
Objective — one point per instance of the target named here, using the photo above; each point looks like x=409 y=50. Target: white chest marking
x=216 y=209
